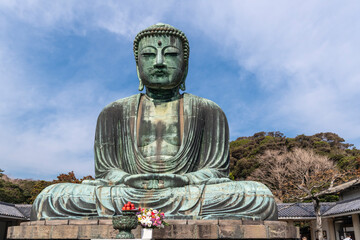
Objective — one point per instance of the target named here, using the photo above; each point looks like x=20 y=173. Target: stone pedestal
x=178 y=229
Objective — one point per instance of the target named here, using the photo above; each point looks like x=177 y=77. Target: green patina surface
x=125 y=223
x=161 y=149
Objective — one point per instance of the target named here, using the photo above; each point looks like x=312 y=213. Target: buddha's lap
x=68 y=200
x=124 y=193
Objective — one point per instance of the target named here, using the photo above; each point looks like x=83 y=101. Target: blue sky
x=289 y=66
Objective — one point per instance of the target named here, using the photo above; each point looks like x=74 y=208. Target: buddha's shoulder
x=133 y=100
x=202 y=102
x=122 y=103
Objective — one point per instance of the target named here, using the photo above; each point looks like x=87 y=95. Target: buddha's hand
x=96 y=182
x=156 y=181
x=217 y=181
x=112 y=178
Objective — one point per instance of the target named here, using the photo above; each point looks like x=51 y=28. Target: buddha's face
x=161 y=62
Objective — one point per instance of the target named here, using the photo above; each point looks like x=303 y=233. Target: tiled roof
x=301 y=210
x=344 y=207
x=25 y=209
x=11 y=210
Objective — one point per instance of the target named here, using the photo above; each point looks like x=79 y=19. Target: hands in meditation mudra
x=161 y=149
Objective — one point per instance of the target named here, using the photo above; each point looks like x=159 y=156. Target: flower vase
x=146 y=233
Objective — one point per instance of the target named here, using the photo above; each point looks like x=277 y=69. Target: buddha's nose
x=159 y=61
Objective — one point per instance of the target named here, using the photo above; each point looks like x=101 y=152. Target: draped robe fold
x=203 y=157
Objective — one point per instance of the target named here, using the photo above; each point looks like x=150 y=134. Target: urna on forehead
x=162 y=29
x=160 y=42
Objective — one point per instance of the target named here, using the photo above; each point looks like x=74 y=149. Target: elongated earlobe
x=141 y=85
x=182 y=86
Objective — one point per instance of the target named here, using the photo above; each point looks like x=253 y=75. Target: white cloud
x=45 y=130
x=35 y=144
x=124 y=18
x=305 y=56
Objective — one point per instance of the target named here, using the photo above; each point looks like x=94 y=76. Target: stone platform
x=177 y=229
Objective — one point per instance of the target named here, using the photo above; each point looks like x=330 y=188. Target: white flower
x=145 y=221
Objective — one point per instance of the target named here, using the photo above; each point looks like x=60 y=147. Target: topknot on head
x=162 y=29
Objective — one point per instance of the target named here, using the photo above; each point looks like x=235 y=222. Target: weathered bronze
x=162 y=149
x=125 y=223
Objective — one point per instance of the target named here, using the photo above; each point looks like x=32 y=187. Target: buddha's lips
x=159 y=73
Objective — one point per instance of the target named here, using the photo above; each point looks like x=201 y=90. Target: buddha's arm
x=109 y=169
x=214 y=150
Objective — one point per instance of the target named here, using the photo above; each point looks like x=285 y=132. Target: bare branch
x=338 y=188
x=307 y=191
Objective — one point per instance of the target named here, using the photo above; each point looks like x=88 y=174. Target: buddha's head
x=161 y=53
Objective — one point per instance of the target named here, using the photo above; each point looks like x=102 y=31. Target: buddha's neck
x=163 y=95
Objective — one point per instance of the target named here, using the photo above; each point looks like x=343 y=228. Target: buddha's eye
x=148 y=54
x=173 y=54
x=171 y=51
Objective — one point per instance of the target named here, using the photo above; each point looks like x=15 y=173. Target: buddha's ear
x=141 y=85
x=182 y=84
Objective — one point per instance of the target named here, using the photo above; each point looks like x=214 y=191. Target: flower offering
x=151 y=218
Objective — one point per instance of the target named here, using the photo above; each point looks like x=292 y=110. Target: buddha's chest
x=159 y=129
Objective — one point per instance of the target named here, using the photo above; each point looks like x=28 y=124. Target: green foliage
x=244 y=151
x=37 y=188
x=348 y=162
x=26 y=191
x=17 y=190
x=231 y=176
x=325 y=198
x=240 y=142
x=329 y=198
x=10 y=192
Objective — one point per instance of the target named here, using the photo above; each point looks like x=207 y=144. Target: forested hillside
x=295 y=168
x=25 y=190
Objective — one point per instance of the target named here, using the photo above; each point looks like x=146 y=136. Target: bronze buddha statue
x=161 y=149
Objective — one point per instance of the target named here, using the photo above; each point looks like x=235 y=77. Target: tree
x=245 y=151
x=300 y=174
x=66 y=178
x=10 y=192
x=61 y=178
x=26 y=191
x=37 y=188
x=70 y=178
x=88 y=177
